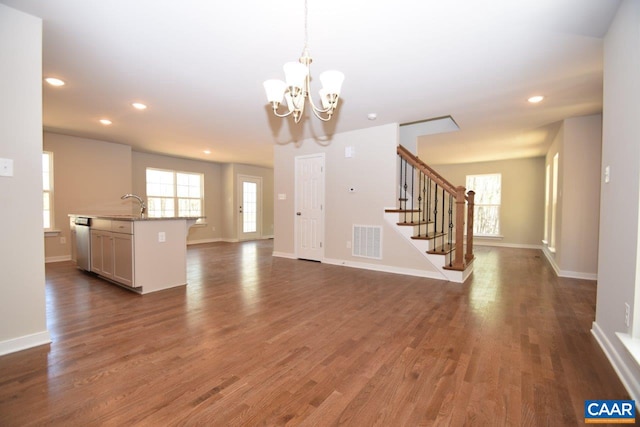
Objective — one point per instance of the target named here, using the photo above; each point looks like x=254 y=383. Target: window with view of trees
x=486 y=217
x=171 y=193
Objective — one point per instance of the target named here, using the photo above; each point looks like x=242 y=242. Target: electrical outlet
x=627 y=314
x=162 y=237
x=63 y=240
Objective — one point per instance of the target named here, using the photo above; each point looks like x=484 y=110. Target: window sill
x=631 y=344
x=51 y=233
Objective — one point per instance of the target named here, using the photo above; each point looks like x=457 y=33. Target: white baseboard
x=566 y=273
x=57 y=258
x=283 y=255
x=386 y=268
x=624 y=371
x=198 y=242
x=477 y=242
x=25 y=342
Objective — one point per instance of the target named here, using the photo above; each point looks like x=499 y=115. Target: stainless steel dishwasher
x=83 y=242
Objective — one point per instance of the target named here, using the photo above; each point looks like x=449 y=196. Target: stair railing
x=431 y=201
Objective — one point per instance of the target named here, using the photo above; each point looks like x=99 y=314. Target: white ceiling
x=199 y=66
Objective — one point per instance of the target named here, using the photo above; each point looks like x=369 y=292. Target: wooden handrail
x=458 y=193
x=424 y=168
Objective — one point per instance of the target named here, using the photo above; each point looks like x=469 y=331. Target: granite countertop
x=129 y=217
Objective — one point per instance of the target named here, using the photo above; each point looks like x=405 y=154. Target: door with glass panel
x=249 y=207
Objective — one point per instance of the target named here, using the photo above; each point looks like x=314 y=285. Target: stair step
x=402 y=210
x=442 y=249
x=428 y=236
x=464 y=267
x=414 y=223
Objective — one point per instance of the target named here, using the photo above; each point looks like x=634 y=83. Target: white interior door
x=249 y=207
x=309 y=223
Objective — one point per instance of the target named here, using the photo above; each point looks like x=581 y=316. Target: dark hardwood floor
x=256 y=340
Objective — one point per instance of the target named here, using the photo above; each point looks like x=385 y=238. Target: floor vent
x=367 y=241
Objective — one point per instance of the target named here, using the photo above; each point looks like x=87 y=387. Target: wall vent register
x=367 y=241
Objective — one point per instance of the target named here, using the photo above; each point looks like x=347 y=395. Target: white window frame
x=47 y=193
x=479 y=204
x=172 y=195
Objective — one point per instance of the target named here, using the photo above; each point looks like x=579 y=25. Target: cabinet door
x=107 y=255
x=96 y=251
x=123 y=258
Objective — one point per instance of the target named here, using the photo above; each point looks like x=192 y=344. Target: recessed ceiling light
x=54 y=82
x=139 y=106
x=207 y=151
x=535 y=99
x=105 y=122
x=372 y=116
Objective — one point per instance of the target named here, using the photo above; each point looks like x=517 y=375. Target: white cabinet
x=112 y=250
x=143 y=254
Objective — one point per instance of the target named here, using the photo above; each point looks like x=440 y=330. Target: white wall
x=22 y=284
x=618 y=248
x=372 y=172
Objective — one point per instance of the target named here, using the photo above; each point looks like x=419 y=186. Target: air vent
x=367 y=241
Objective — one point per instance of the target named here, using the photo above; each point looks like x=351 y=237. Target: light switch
x=607 y=175
x=6 y=167
x=162 y=237
x=349 y=151
x=282 y=196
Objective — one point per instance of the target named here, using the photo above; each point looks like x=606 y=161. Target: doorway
x=250 y=207
x=309 y=193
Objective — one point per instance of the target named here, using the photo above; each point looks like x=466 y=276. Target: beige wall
x=619 y=260
x=22 y=283
x=371 y=172
x=219 y=189
x=578 y=144
x=89 y=178
x=578 y=240
x=522 y=208
x=229 y=225
x=266 y=175
x=211 y=230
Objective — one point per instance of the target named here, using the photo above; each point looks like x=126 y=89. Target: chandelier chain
x=306 y=26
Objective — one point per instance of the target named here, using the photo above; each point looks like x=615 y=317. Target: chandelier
x=296 y=89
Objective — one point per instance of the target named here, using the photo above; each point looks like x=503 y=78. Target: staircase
x=431 y=215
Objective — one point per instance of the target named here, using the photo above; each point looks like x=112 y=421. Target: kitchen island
x=141 y=254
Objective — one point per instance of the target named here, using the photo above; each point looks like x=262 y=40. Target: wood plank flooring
x=255 y=340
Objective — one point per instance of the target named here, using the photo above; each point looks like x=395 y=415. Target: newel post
x=470 y=207
x=458 y=263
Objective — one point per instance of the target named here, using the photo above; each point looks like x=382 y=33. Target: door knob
x=298 y=213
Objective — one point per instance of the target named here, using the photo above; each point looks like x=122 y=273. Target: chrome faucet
x=143 y=206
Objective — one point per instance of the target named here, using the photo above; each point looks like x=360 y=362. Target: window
x=47 y=190
x=554 y=204
x=486 y=216
x=171 y=193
